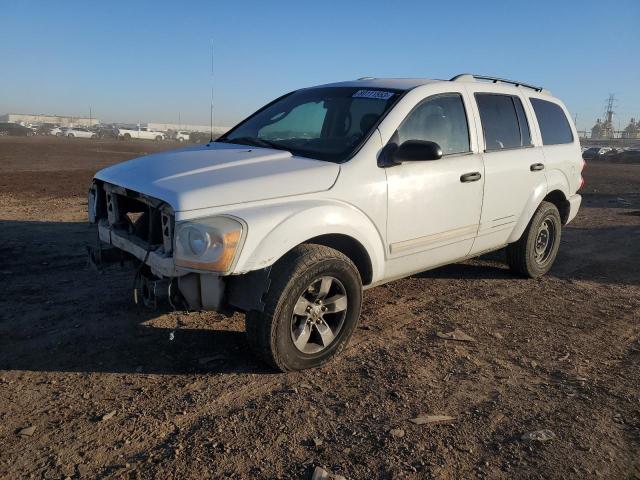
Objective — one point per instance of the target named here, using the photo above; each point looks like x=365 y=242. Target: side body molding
x=277 y=228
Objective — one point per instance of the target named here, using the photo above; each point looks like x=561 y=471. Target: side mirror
x=415 y=151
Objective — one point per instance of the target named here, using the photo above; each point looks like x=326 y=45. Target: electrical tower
x=609 y=108
x=607 y=126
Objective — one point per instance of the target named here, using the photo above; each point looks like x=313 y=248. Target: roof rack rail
x=367 y=78
x=471 y=76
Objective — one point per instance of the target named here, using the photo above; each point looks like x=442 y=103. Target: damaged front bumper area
x=134 y=228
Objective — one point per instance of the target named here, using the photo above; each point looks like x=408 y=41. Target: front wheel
x=536 y=250
x=311 y=309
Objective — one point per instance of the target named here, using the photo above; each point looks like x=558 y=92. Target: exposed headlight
x=210 y=244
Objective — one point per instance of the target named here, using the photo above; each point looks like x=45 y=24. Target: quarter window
x=554 y=125
x=440 y=119
x=504 y=122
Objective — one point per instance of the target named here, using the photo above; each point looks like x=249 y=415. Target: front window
x=440 y=119
x=323 y=123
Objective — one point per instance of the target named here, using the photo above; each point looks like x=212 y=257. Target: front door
x=434 y=206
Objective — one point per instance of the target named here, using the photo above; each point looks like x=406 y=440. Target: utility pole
x=90 y=122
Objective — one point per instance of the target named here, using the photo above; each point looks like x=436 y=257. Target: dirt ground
x=110 y=395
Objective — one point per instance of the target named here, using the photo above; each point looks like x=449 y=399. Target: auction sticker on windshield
x=377 y=94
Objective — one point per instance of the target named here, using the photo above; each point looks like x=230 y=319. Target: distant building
x=29 y=118
x=602 y=130
x=632 y=130
x=163 y=127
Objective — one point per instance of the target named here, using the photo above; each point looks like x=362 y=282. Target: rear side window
x=503 y=121
x=554 y=126
x=440 y=119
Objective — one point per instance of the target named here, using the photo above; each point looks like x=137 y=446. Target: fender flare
x=555 y=181
x=275 y=230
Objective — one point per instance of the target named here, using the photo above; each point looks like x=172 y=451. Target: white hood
x=221 y=174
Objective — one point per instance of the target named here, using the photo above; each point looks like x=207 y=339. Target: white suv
x=183 y=136
x=330 y=190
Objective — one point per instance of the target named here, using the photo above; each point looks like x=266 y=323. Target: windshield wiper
x=256 y=142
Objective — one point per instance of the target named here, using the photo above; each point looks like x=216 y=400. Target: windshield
x=322 y=123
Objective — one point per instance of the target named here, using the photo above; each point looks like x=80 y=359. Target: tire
x=71 y=135
x=534 y=253
x=93 y=137
x=158 y=138
x=295 y=280
x=127 y=136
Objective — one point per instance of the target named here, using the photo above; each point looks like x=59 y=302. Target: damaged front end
x=184 y=264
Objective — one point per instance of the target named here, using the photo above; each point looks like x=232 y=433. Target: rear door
x=560 y=144
x=513 y=163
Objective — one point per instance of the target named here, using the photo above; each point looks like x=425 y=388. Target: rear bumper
x=574 y=206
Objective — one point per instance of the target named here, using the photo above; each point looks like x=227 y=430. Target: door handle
x=470 y=177
x=536 y=167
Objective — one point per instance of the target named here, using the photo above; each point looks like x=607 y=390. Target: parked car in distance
x=105 y=132
x=592 y=153
x=630 y=155
x=14 y=130
x=45 y=129
x=182 y=136
x=199 y=137
x=79 y=132
x=58 y=131
x=334 y=189
x=140 y=132
x=612 y=154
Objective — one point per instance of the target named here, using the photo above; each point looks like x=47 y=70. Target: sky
x=144 y=61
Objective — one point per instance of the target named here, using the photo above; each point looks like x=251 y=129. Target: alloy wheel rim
x=318 y=315
x=544 y=243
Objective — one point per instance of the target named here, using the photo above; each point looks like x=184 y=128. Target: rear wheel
x=311 y=309
x=536 y=250
x=158 y=138
x=71 y=135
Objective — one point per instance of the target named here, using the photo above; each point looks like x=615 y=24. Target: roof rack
x=367 y=78
x=470 y=76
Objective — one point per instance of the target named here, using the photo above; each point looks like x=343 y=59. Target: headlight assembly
x=209 y=244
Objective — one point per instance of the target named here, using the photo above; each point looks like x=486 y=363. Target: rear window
x=554 y=126
x=503 y=121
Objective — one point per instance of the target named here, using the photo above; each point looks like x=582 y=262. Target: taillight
x=582 y=182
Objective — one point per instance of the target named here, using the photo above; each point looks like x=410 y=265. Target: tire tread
x=518 y=257
x=259 y=324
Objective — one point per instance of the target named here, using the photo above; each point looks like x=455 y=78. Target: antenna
x=211 y=110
